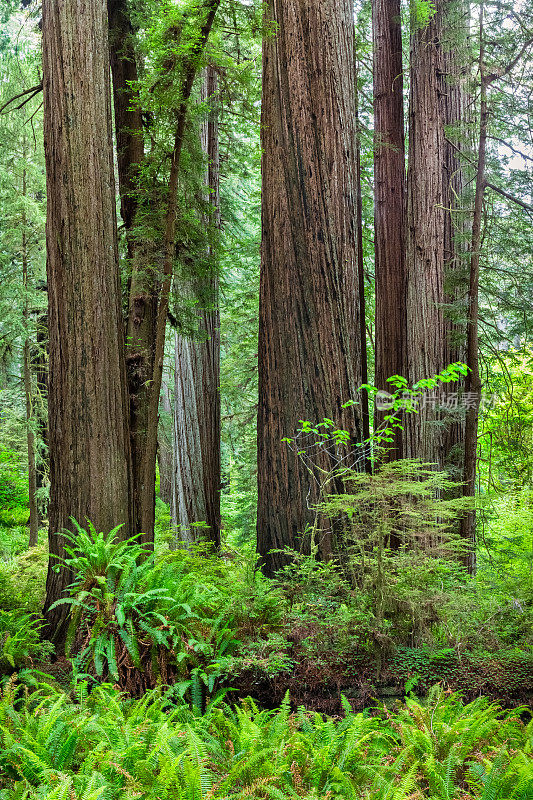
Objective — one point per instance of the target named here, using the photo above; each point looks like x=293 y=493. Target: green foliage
x=140 y=619
x=103 y=746
x=421 y=13
x=20 y=640
x=507 y=434
x=22 y=573
x=13 y=490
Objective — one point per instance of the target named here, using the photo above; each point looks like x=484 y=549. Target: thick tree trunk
x=435 y=232
x=425 y=236
x=197 y=423
x=390 y=203
x=309 y=340
x=89 y=438
x=457 y=221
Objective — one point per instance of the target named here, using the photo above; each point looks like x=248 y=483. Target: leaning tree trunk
x=390 y=203
x=309 y=339
x=197 y=477
x=89 y=438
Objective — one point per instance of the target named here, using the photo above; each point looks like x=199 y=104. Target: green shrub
x=23 y=579
x=140 y=619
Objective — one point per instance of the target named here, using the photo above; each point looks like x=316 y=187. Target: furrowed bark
x=309 y=339
x=390 y=204
x=89 y=438
x=473 y=379
x=142 y=303
x=435 y=233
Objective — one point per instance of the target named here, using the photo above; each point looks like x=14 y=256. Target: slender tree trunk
x=309 y=338
x=147 y=468
x=32 y=472
x=197 y=381
x=473 y=379
x=40 y=361
x=390 y=203
x=365 y=412
x=457 y=221
x=142 y=304
x=89 y=437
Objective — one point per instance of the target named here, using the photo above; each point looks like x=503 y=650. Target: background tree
x=197 y=409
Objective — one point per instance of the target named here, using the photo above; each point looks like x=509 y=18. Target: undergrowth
x=101 y=746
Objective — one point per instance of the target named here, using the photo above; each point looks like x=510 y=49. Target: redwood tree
x=390 y=199
x=309 y=340
x=435 y=224
x=89 y=440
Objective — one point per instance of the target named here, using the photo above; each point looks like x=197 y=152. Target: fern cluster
x=139 y=619
x=102 y=746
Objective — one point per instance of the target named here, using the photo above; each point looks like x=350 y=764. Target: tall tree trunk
x=165 y=456
x=436 y=228
x=425 y=235
x=309 y=339
x=142 y=304
x=30 y=433
x=40 y=361
x=89 y=438
x=365 y=407
x=389 y=203
x=457 y=221
x=197 y=381
x=473 y=379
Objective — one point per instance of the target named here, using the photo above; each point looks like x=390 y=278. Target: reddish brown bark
x=89 y=442
x=473 y=379
x=309 y=340
x=435 y=231
x=390 y=203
